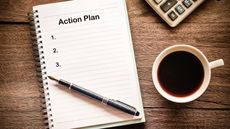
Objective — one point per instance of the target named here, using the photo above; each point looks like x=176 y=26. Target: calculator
x=174 y=11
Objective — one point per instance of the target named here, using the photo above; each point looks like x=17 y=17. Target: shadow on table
x=134 y=126
x=178 y=114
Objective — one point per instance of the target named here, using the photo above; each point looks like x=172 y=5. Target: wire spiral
x=41 y=68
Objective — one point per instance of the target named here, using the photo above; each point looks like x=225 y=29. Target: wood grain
x=208 y=29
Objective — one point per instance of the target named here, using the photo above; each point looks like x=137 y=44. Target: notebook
x=87 y=42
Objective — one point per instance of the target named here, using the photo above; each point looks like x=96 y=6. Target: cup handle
x=216 y=63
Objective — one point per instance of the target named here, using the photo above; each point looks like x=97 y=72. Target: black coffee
x=180 y=73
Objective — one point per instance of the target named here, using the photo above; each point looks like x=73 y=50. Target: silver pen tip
x=53 y=78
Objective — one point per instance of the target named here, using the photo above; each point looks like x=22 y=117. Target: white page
x=95 y=54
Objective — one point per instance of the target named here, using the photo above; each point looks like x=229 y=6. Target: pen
x=107 y=101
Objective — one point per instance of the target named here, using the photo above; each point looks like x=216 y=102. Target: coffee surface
x=180 y=74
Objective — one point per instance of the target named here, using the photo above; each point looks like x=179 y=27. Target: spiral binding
x=41 y=68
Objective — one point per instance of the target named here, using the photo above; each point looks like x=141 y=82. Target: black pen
x=111 y=102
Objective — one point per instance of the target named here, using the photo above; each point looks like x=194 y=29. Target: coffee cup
x=182 y=73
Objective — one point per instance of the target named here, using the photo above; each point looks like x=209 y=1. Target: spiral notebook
x=86 y=42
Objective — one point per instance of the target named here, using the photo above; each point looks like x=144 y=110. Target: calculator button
x=187 y=3
x=179 y=9
x=172 y=15
x=157 y=1
x=168 y=4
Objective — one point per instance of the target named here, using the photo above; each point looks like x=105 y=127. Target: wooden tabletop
x=208 y=29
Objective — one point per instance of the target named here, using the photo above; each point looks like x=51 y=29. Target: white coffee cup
x=207 y=66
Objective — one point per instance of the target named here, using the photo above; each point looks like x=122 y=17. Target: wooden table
x=208 y=28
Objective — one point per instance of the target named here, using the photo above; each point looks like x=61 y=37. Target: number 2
x=55 y=50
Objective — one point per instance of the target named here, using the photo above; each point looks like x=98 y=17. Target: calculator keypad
x=172 y=15
x=168 y=4
x=187 y=3
x=179 y=8
x=174 y=11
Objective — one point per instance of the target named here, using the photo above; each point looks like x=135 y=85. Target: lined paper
x=96 y=55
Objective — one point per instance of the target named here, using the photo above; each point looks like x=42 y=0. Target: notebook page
x=88 y=43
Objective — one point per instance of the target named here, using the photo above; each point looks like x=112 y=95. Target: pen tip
x=53 y=78
x=137 y=113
